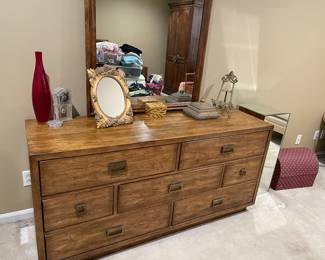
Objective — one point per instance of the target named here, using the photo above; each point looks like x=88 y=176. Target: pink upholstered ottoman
x=295 y=168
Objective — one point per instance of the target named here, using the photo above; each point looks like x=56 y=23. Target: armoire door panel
x=179 y=41
x=183 y=35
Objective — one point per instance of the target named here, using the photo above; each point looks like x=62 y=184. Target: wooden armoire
x=183 y=41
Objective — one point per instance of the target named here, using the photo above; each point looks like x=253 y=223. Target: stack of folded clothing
x=131 y=80
x=139 y=90
x=131 y=61
x=155 y=84
x=126 y=48
x=108 y=53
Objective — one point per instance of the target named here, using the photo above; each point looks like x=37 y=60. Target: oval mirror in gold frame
x=110 y=97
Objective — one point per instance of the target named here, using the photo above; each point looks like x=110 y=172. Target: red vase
x=41 y=93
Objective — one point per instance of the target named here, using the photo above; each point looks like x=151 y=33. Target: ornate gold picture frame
x=103 y=119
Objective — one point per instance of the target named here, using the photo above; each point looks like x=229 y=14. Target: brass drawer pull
x=114 y=231
x=228 y=148
x=175 y=187
x=117 y=168
x=217 y=202
x=242 y=172
x=80 y=209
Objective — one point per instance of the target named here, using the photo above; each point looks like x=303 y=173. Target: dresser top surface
x=81 y=135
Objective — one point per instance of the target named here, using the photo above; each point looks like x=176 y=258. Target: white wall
x=57 y=29
x=277 y=50
x=141 y=23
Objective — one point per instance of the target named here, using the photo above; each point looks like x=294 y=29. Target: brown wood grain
x=152 y=191
x=37 y=205
x=200 y=205
x=73 y=162
x=140 y=108
x=61 y=175
x=80 y=135
x=251 y=168
x=209 y=151
x=178 y=47
x=205 y=23
x=87 y=236
x=104 y=251
x=90 y=44
x=60 y=211
x=196 y=29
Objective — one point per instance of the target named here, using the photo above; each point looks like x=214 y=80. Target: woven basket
x=156 y=110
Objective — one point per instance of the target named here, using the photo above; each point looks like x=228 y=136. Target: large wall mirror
x=160 y=46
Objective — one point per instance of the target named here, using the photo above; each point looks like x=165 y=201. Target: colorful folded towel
x=131 y=59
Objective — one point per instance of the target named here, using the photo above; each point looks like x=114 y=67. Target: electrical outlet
x=26 y=178
x=298 y=139
x=316 y=135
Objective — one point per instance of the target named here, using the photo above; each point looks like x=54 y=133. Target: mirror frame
x=90 y=38
x=103 y=120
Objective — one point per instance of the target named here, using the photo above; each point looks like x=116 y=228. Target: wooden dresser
x=96 y=191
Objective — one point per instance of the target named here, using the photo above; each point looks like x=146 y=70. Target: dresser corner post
x=37 y=205
x=262 y=165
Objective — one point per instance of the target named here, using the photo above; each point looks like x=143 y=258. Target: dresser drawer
x=210 y=151
x=61 y=175
x=213 y=201
x=156 y=190
x=76 y=207
x=87 y=236
x=242 y=171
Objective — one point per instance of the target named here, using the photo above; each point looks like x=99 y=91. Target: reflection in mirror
x=280 y=123
x=110 y=97
x=154 y=42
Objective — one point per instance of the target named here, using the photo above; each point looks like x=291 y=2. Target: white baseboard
x=16 y=216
